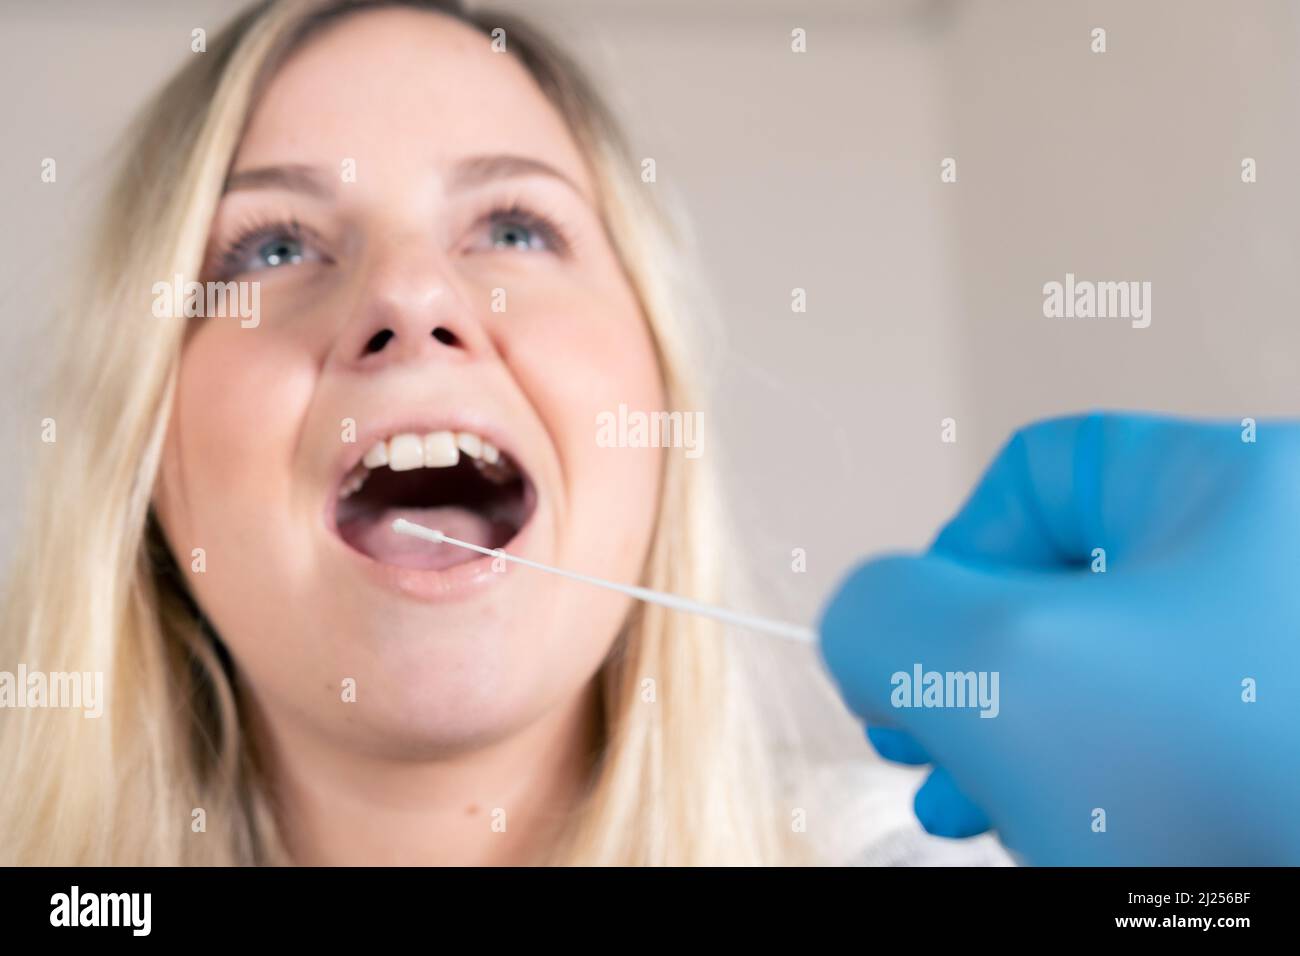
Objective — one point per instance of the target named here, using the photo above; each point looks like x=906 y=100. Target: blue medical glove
x=1107 y=640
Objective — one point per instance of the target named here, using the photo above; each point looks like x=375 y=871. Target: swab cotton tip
x=795 y=632
x=402 y=526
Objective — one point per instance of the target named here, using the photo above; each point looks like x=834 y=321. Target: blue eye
x=513 y=234
x=281 y=251
x=272 y=246
x=516 y=229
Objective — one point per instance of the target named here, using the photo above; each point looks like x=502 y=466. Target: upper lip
x=465 y=420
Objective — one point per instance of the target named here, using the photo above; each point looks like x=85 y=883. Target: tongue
x=373 y=535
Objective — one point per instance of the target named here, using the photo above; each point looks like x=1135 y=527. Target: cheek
x=240 y=403
x=225 y=485
x=580 y=359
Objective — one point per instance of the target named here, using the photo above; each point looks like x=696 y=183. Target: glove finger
x=898 y=746
x=1061 y=489
x=1004 y=522
x=895 y=613
x=945 y=811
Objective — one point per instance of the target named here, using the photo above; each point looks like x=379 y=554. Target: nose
x=410 y=307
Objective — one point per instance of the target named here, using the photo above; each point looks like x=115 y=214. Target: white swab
x=794 y=632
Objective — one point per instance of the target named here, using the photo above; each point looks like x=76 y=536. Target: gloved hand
x=1145 y=714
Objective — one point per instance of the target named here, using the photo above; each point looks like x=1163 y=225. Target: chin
x=434 y=712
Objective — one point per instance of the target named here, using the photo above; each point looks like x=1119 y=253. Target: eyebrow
x=297 y=179
x=466 y=174
x=477 y=170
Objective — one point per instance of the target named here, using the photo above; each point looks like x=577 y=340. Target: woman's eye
x=269 y=249
x=516 y=229
x=281 y=251
x=515 y=234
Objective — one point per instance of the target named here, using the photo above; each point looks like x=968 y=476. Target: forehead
x=398 y=90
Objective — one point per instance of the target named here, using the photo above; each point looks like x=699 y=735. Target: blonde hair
x=683 y=782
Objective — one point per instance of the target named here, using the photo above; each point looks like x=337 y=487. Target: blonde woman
x=444 y=270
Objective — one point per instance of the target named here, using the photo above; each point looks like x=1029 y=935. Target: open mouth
x=456 y=482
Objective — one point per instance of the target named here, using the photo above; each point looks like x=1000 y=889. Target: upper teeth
x=407 y=451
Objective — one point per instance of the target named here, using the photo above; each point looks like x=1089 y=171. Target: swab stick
x=794 y=632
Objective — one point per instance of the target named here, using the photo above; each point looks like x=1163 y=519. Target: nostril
x=378 y=341
x=445 y=336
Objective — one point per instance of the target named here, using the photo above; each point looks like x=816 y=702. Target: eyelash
x=228 y=258
x=548 y=227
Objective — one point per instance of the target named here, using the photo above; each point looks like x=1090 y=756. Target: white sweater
x=860 y=814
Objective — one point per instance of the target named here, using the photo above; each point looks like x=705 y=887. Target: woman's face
x=433 y=275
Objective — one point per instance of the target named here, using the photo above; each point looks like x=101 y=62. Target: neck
x=500 y=804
